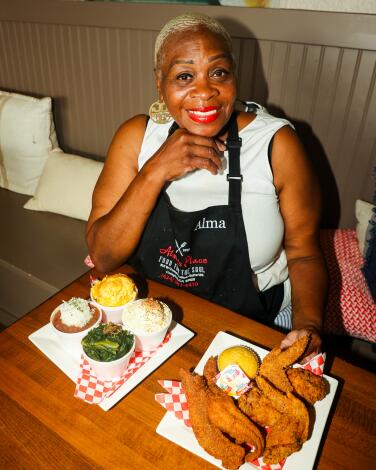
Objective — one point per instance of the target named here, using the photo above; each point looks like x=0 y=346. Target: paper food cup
x=110 y=314
x=72 y=341
x=112 y=369
x=147 y=341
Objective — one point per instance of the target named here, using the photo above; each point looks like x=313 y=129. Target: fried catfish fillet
x=274 y=365
x=224 y=414
x=281 y=441
x=288 y=427
x=259 y=408
x=211 y=370
x=287 y=404
x=289 y=433
x=309 y=386
x=208 y=435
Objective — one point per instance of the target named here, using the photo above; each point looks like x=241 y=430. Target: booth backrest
x=96 y=60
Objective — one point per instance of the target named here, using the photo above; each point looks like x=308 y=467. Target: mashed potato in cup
x=148 y=319
x=111 y=294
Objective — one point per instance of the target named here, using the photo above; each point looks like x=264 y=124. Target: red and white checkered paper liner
x=94 y=390
x=175 y=402
x=315 y=365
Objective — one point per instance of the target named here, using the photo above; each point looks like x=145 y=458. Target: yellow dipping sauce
x=242 y=356
x=114 y=290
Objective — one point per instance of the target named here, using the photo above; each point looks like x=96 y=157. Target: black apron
x=206 y=251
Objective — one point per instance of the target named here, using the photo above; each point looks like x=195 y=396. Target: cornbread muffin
x=242 y=356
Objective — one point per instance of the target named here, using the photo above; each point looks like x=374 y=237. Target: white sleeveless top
x=262 y=219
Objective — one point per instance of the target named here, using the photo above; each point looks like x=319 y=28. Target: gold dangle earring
x=159 y=112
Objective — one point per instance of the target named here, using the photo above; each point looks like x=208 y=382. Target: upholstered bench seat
x=351 y=309
x=40 y=253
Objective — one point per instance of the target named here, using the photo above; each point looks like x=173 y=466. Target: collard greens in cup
x=107 y=342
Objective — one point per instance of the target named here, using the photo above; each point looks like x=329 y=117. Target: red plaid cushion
x=351 y=309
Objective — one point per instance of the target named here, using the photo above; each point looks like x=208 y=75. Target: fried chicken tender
x=208 y=435
x=309 y=386
x=274 y=365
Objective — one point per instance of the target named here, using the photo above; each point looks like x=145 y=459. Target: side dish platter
x=174 y=429
x=69 y=362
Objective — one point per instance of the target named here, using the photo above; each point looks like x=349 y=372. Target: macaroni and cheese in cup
x=111 y=294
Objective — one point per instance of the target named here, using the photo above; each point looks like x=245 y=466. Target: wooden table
x=43 y=426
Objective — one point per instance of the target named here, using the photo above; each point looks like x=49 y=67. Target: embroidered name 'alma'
x=210 y=224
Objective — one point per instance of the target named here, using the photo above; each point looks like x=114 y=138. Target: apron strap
x=174 y=127
x=234 y=177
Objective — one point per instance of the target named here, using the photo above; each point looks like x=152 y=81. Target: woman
x=171 y=199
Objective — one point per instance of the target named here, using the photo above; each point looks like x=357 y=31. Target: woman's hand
x=314 y=345
x=124 y=197
x=184 y=152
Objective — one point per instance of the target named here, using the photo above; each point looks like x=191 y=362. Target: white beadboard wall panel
x=100 y=76
x=291 y=86
x=326 y=89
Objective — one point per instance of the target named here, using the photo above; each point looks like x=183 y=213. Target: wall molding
x=261 y=23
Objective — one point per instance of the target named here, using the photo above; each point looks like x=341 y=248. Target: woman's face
x=197 y=81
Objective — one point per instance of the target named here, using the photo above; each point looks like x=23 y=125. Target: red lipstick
x=203 y=114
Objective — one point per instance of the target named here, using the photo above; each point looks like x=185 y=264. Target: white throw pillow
x=66 y=185
x=27 y=134
x=363 y=214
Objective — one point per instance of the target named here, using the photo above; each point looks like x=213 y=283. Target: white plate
x=46 y=340
x=173 y=429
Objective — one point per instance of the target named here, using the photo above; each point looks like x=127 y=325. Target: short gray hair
x=185 y=22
